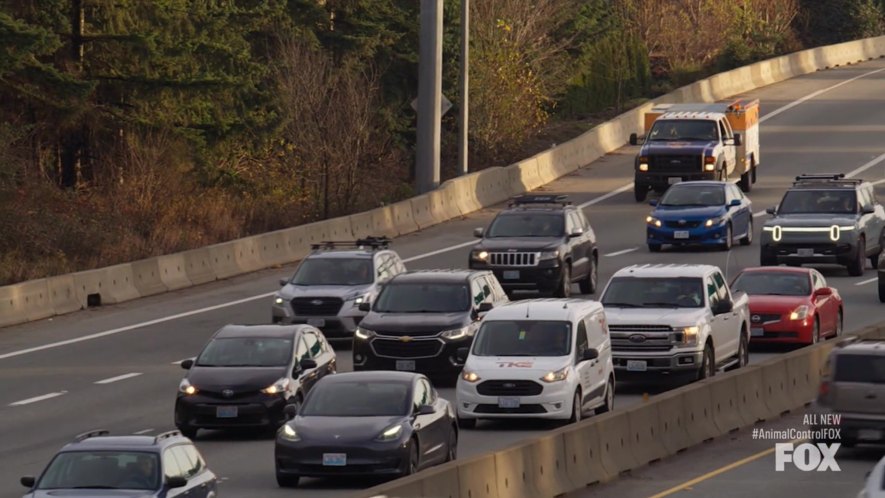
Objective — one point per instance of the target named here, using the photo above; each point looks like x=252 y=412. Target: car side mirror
x=485 y=307
x=737 y=139
x=577 y=232
x=187 y=364
x=365 y=306
x=634 y=139
x=307 y=364
x=28 y=481
x=290 y=411
x=478 y=232
x=425 y=410
x=283 y=282
x=868 y=210
x=176 y=482
x=590 y=354
x=734 y=203
x=772 y=211
x=653 y=203
x=823 y=291
x=462 y=354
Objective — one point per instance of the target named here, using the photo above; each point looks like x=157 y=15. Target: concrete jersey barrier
x=44 y=298
x=599 y=449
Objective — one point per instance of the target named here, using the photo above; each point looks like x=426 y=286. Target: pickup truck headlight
x=479 y=256
x=547 y=255
x=456 y=334
x=557 y=376
x=643 y=163
x=690 y=336
x=712 y=222
x=800 y=313
x=709 y=163
x=363 y=334
x=653 y=221
x=836 y=231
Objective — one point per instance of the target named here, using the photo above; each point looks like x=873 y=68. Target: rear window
x=868 y=369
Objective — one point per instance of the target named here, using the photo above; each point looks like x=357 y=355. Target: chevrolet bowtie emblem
x=405 y=338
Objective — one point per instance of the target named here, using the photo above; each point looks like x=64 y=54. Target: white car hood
x=677 y=317
x=515 y=367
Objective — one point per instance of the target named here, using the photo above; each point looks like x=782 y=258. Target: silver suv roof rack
x=373 y=243
x=87 y=435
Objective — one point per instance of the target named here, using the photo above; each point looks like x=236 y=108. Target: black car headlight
x=288 y=433
x=479 y=256
x=392 y=433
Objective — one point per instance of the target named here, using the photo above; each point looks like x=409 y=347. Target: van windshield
x=523 y=338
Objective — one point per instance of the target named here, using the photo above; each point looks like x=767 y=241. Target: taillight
x=823 y=391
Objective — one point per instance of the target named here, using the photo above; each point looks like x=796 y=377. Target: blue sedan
x=706 y=213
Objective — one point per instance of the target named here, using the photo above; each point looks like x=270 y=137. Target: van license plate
x=226 y=412
x=316 y=322
x=508 y=402
x=757 y=332
x=869 y=435
x=405 y=365
x=334 y=459
x=805 y=252
x=637 y=366
x=674 y=180
x=511 y=275
x=680 y=234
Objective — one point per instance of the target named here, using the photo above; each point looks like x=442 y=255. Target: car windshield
x=861 y=368
x=425 y=297
x=697 y=195
x=523 y=338
x=527 y=225
x=819 y=202
x=772 y=284
x=669 y=130
x=246 y=352
x=102 y=470
x=646 y=292
x=357 y=399
x=334 y=271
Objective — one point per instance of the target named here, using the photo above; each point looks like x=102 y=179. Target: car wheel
x=748 y=239
x=640 y=192
x=654 y=248
x=729 y=237
x=743 y=355
x=856 y=267
x=588 y=285
x=467 y=423
x=746 y=182
x=287 y=480
x=412 y=464
x=838 y=331
x=609 y=403
x=874 y=259
x=882 y=286
x=754 y=169
x=577 y=409
x=453 y=445
x=708 y=367
x=565 y=287
x=815 y=331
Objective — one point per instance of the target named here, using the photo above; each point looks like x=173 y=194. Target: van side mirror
x=290 y=411
x=772 y=211
x=478 y=232
x=28 y=481
x=187 y=364
x=176 y=482
x=590 y=354
x=462 y=354
x=737 y=139
x=634 y=140
x=365 y=306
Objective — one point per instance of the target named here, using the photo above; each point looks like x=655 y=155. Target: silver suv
x=853 y=390
x=881 y=267
x=329 y=285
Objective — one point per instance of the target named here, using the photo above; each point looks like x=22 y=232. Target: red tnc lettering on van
x=515 y=364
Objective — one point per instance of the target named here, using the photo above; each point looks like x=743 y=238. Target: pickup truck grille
x=514 y=258
x=676 y=164
x=640 y=328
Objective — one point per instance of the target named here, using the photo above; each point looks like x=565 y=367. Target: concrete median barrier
x=698 y=404
x=674 y=432
x=25 y=302
x=645 y=433
x=727 y=407
x=404 y=218
x=774 y=388
x=803 y=373
x=422 y=211
x=477 y=477
x=148 y=281
x=376 y=222
x=549 y=465
x=273 y=248
x=112 y=285
x=515 y=470
x=173 y=271
x=223 y=258
x=750 y=387
x=583 y=453
x=528 y=174
x=62 y=295
x=198 y=266
x=616 y=450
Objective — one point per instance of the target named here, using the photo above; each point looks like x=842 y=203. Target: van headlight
x=456 y=334
x=690 y=336
x=557 y=376
x=288 y=433
x=363 y=334
x=470 y=376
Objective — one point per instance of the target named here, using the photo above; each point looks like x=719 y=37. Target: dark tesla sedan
x=366 y=423
x=247 y=374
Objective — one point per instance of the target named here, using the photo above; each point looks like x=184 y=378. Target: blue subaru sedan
x=706 y=213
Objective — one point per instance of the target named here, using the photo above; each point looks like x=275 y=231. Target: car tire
x=287 y=480
x=874 y=259
x=748 y=239
x=640 y=192
x=746 y=182
x=729 y=238
x=577 y=409
x=565 y=284
x=467 y=423
x=452 y=450
x=609 y=403
x=815 y=332
x=654 y=248
x=839 y=325
x=743 y=354
x=411 y=466
x=856 y=267
x=708 y=367
x=588 y=284
x=882 y=286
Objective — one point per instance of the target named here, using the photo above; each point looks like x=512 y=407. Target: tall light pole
x=429 y=95
x=464 y=84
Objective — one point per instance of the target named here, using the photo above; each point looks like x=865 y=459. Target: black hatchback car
x=247 y=374
x=367 y=423
x=98 y=464
x=421 y=318
x=539 y=243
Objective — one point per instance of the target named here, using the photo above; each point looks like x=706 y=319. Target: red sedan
x=791 y=305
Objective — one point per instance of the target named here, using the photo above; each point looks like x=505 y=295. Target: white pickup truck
x=678 y=320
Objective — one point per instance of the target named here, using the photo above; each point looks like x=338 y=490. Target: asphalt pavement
x=116 y=367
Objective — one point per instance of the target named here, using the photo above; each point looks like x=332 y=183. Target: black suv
x=541 y=243
x=825 y=219
x=98 y=464
x=421 y=318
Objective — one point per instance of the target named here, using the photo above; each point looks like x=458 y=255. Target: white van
x=538 y=358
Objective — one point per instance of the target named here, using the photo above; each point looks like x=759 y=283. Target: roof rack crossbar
x=166 y=435
x=828 y=177
x=87 y=435
x=367 y=242
x=532 y=199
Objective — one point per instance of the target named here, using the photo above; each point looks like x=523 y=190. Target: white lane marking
x=143 y=431
x=413 y=258
x=118 y=378
x=866 y=166
x=879 y=181
x=816 y=94
x=865 y=282
x=38 y=398
x=179 y=362
x=618 y=253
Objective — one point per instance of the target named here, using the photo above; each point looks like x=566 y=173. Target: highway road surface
x=116 y=367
